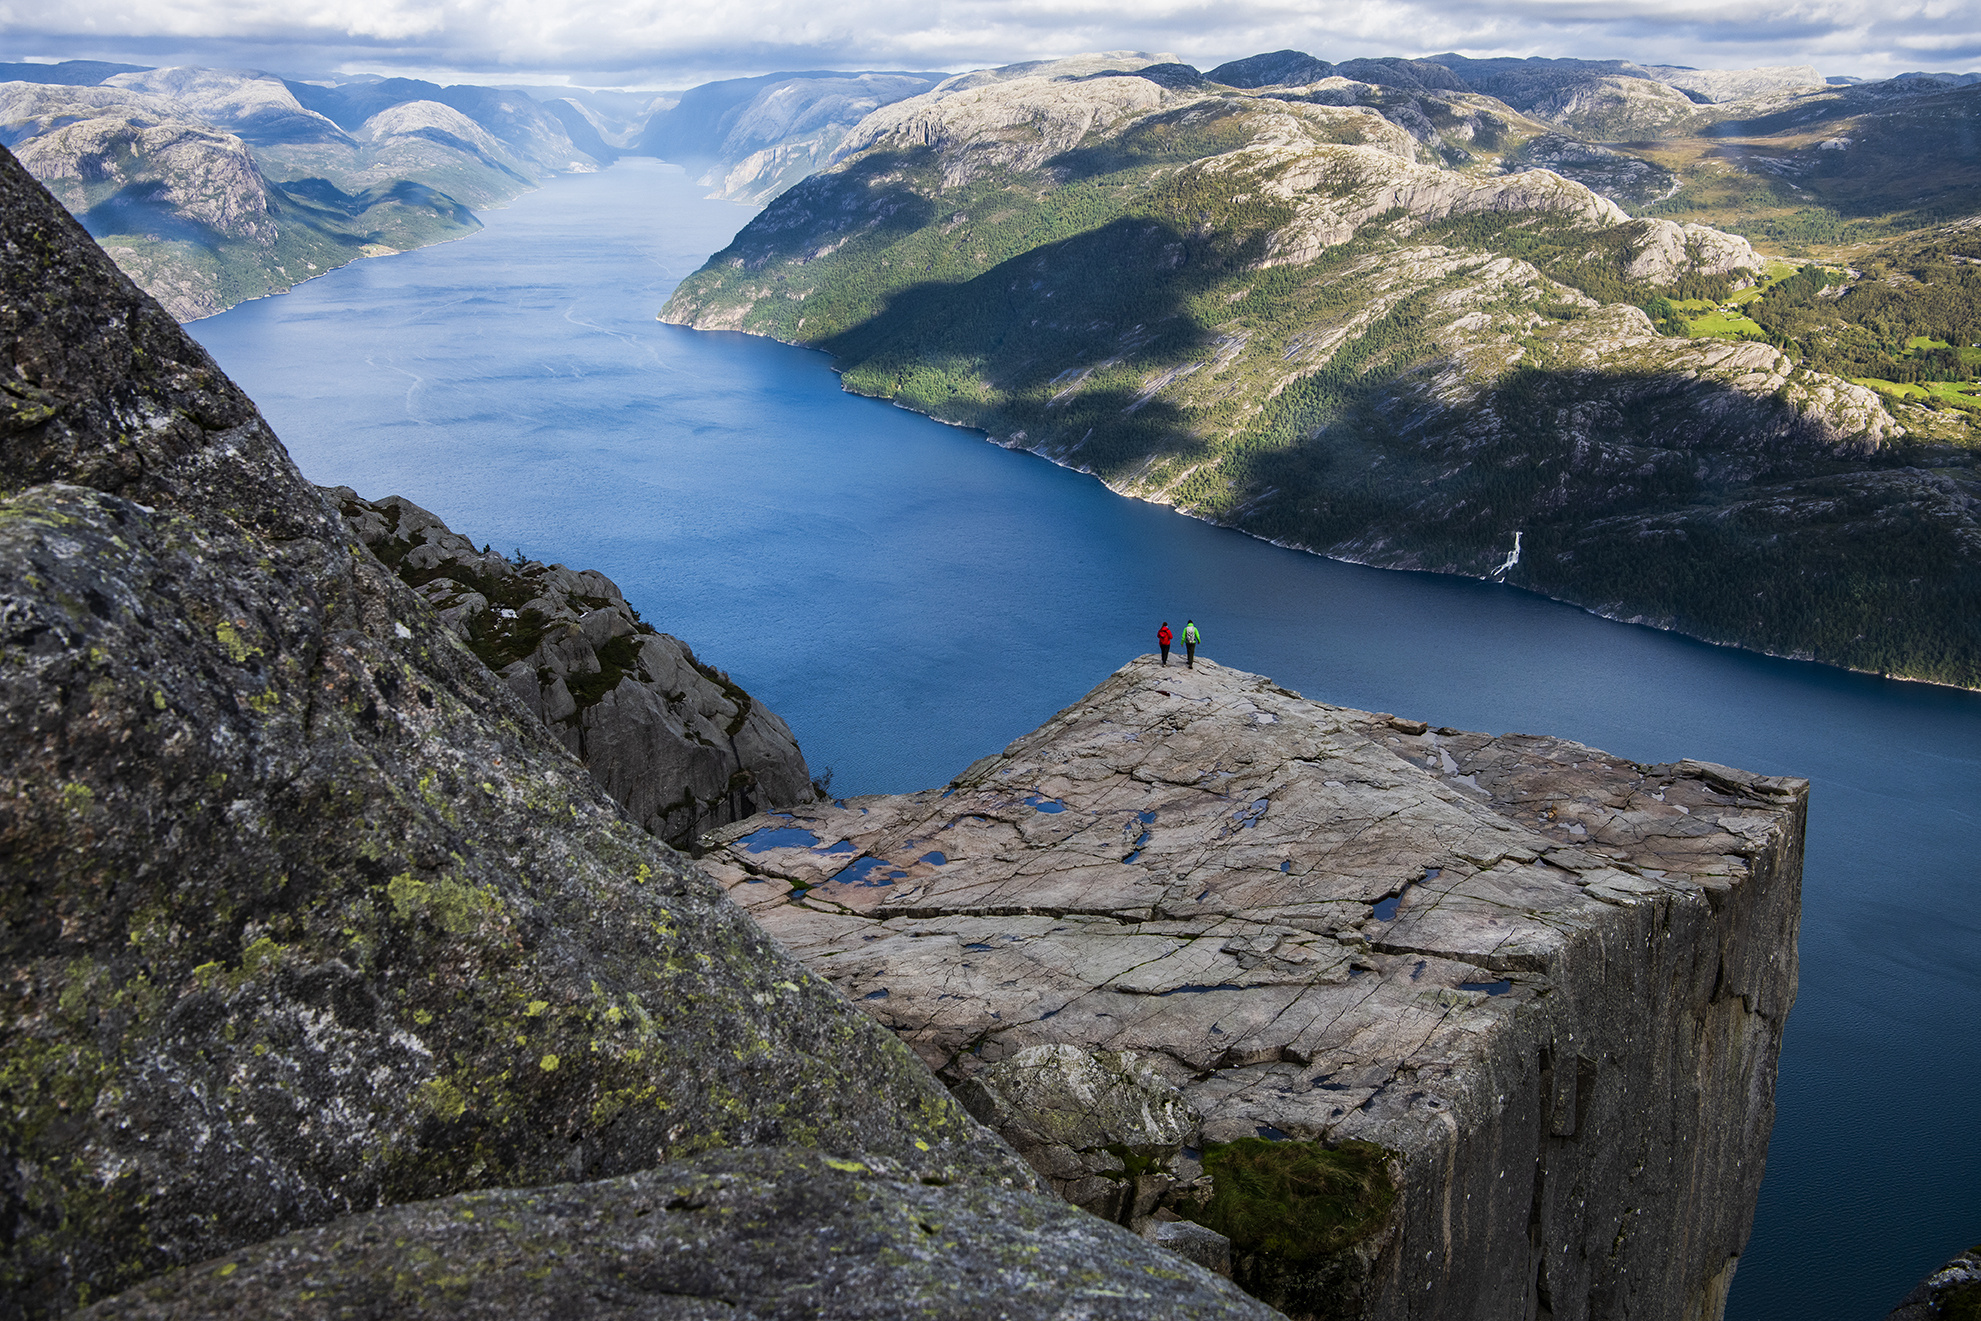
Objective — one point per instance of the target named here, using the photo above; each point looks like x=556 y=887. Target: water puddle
x=864 y=872
x=1252 y=815
x=1040 y=803
x=1271 y=1134
x=935 y=858
x=779 y=837
x=843 y=846
x=1131 y=857
x=1500 y=987
x=875 y=995
x=1197 y=988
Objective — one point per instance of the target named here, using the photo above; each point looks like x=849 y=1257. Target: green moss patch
x=1296 y=1202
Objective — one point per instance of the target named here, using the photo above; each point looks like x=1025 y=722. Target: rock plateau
x=1195 y=910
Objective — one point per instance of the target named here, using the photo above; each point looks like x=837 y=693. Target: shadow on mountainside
x=1067 y=343
x=1650 y=496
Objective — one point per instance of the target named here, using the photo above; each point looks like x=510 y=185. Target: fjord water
x=911 y=598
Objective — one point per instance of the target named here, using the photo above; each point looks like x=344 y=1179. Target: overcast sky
x=672 y=43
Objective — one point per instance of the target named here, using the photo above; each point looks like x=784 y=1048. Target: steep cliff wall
x=306 y=914
x=1550 y=982
x=674 y=741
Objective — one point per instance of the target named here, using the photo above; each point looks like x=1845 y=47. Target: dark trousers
x=1190 y=654
x=1165 y=652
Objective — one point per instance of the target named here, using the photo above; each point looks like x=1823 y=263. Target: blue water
x=911 y=598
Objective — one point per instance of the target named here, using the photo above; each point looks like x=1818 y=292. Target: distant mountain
x=1370 y=319
x=69 y=73
x=755 y=137
x=210 y=186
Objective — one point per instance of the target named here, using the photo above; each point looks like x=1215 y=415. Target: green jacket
x=1190 y=634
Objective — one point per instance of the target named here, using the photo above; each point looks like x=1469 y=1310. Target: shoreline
x=1598 y=612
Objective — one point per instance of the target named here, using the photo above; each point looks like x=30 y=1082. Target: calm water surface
x=910 y=598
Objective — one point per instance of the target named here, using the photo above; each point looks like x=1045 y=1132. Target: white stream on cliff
x=911 y=598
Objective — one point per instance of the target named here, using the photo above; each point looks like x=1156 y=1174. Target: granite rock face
x=1552 y=982
x=1951 y=1293
x=1104 y=1129
x=674 y=741
x=747 y=1234
x=305 y=912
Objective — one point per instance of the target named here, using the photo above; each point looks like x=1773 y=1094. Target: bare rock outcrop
x=1665 y=251
x=1548 y=983
x=675 y=742
x=1951 y=1293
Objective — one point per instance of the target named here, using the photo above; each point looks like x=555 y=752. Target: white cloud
x=617 y=40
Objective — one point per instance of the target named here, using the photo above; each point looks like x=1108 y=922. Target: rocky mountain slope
x=308 y=915
x=1509 y=1007
x=1354 y=319
x=211 y=186
x=675 y=742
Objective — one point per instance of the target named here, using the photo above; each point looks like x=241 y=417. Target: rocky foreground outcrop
x=675 y=742
x=1519 y=999
x=306 y=914
x=1951 y=1293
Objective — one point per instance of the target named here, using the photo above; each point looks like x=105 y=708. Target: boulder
x=673 y=740
x=1474 y=1024
x=740 y=1234
x=1103 y=1128
x=1951 y=1293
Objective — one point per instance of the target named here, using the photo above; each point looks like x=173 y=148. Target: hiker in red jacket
x=1163 y=636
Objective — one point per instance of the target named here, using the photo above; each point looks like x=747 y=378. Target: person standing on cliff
x=1191 y=637
x=1163 y=636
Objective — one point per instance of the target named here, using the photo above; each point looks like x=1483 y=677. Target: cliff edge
x=1517 y=1001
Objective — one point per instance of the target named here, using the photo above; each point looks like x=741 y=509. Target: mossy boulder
x=305 y=913
x=741 y=1234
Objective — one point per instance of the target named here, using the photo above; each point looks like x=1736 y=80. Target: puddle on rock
x=863 y=872
x=1500 y=987
x=779 y=837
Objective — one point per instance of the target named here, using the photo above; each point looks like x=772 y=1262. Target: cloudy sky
x=675 y=43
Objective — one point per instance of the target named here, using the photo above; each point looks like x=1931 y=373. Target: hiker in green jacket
x=1191 y=637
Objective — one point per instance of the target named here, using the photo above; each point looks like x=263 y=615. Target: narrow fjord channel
x=910 y=598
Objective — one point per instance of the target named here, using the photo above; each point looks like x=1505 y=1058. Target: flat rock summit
x=1195 y=908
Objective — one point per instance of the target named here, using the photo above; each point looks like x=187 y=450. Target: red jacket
x=1163 y=635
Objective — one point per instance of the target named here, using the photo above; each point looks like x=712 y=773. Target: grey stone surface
x=674 y=741
x=756 y=1234
x=1952 y=1292
x=1103 y=1128
x=1206 y=1247
x=1554 y=981
x=305 y=912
